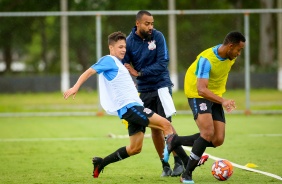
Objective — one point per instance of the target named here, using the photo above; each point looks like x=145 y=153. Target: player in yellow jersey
x=205 y=82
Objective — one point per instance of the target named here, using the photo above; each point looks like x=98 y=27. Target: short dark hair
x=115 y=36
x=234 y=37
x=140 y=14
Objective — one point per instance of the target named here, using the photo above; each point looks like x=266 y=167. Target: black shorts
x=137 y=118
x=152 y=101
x=202 y=106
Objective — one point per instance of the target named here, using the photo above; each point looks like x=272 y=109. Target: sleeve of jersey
x=105 y=63
x=204 y=68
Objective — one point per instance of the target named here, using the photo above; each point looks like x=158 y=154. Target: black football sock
x=197 y=151
x=182 y=155
x=118 y=155
x=186 y=140
x=165 y=163
x=210 y=144
x=178 y=160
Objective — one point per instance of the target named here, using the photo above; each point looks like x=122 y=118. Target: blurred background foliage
x=35 y=41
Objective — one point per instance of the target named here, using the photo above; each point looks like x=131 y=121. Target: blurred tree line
x=36 y=40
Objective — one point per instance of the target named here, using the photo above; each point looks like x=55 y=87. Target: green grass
x=32 y=150
x=264 y=99
x=53 y=149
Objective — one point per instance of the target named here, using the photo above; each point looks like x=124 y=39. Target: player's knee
x=167 y=125
x=207 y=135
x=218 y=142
x=133 y=150
x=158 y=133
x=136 y=151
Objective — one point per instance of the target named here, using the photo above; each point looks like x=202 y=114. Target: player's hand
x=70 y=92
x=131 y=70
x=229 y=105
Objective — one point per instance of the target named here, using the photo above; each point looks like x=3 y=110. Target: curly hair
x=234 y=37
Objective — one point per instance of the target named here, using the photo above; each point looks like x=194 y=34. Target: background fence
x=188 y=32
x=51 y=43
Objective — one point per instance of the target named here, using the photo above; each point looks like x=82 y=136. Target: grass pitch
x=59 y=150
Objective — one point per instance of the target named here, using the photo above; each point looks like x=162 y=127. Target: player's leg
x=219 y=125
x=137 y=121
x=158 y=140
x=122 y=153
x=219 y=133
x=176 y=145
x=212 y=133
x=179 y=161
x=150 y=101
x=186 y=140
x=136 y=142
x=180 y=157
x=179 y=141
x=202 y=115
x=205 y=125
x=158 y=122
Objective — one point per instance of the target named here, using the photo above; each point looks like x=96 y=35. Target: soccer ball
x=222 y=170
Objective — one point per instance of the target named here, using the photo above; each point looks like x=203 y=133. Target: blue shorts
x=202 y=106
x=137 y=118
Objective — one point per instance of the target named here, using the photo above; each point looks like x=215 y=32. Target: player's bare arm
x=131 y=70
x=202 y=86
x=80 y=81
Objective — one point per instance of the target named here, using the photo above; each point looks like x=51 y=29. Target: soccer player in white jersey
x=119 y=96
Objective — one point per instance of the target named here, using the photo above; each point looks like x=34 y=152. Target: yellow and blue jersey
x=211 y=66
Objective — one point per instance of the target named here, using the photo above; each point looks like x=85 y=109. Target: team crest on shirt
x=152 y=45
x=147 y=111
x=203 y=106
